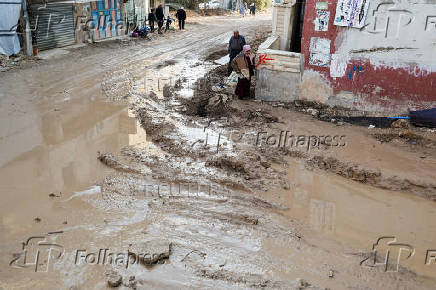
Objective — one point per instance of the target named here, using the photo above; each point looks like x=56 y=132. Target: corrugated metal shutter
x=54 y=25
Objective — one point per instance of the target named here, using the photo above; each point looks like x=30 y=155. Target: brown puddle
x=55 y=152
x=356 y=216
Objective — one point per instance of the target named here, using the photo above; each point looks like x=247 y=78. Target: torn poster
x=351 y=13
x=319 y=51
x=321 y=5
x=322 y=20
x=338 y=65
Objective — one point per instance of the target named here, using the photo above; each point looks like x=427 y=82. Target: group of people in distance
x=157 y=15
x=244 y=7
x=240 y=59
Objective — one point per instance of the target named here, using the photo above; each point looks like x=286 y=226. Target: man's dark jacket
x=159 y=13
x=241 y=40
x=151 y=17
x=181 y=14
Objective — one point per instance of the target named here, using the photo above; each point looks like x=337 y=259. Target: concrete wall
x=282 y=23
x=278 y=74
x=387 y=65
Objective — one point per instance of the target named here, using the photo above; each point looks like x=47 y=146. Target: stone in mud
x=114 y=279
x=400 y=123
x=132 y=282
x=301 y=283
x=151 y=252
x=313 y=112
x=218 y=99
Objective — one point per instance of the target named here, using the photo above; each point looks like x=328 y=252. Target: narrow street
x=114 y=146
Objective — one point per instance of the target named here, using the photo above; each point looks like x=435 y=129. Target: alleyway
x=114 y=145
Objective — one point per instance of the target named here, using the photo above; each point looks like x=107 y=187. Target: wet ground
x=114 y=148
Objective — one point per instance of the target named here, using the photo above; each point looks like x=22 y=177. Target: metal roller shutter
x=54 y=25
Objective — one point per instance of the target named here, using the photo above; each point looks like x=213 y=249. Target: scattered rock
x=400 y=123
x=331 y=274
x=313 y=112
x=151 y=252
x=301 y=283
x=407 y=134
x=114 y=279
x=132 y=282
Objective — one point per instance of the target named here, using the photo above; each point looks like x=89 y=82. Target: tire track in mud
x=229 y=233
x=134 y=65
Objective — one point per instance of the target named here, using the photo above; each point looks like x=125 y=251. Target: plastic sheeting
x=9 y=15
x=424 y=118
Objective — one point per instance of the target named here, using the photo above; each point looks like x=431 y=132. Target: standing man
x=181 y=16
x=151 y=20
x=160 y=18
x=236 y=43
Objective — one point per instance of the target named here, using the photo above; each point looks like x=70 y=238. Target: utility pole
x=26 y=21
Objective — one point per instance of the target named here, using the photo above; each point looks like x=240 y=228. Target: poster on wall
x=351 y=13
x=319 y=51
x=322 y=20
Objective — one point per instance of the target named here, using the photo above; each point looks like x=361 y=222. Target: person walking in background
x=181 y=16
x=160 y=18
x=236 y=43
x=168 y=23
x=151 y=20
x=243 y=64
x=253 y=9
x=242 y=9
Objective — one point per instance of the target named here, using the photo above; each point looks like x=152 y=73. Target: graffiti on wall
x=322 y=20
x=355 y=69
x=351 y=13
x=263 y=58
x=319 y=51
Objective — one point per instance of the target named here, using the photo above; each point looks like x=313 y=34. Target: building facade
x=385 y=62
x=372 y=55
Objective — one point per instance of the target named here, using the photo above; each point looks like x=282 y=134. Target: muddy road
x=120 y=165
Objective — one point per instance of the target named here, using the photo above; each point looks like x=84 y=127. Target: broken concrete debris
x=151 y=252
x=400 y=123
x=114 y=279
